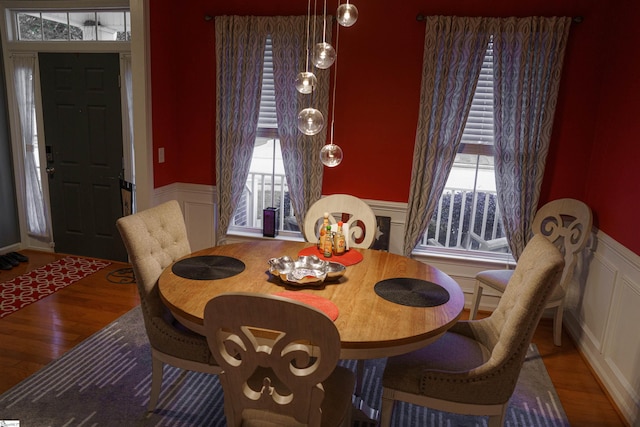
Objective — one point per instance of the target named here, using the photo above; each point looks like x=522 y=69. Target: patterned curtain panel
x=454 y=48
x=528 y=55
x=300 y=153
x=240 y=43
x=24 y=70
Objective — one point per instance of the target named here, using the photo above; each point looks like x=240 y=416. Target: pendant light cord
x=306 y=68
x=324 y=23
x=335 y=81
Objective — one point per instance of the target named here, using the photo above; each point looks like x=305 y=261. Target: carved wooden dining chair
x=154 y=239
x=287 y=378
x=567 y=224
x=352 y=211
x=473 y=368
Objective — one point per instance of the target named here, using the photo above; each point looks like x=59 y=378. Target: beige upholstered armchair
x=288 y=378
x=567 y=224
x=154 y=239
x=473 y=368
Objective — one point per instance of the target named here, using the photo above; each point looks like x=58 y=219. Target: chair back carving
x=274 y=354
x=352 y=211
x=567 y=224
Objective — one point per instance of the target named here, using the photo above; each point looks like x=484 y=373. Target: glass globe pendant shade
x=310 y=121
x=331 y=155
x=306 y=82
x=324 y=55
x=347 y=14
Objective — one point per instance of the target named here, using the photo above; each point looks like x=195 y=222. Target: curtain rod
x=211 y=17
x=576 y=19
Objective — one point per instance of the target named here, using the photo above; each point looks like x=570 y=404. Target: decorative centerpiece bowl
x=306 y=270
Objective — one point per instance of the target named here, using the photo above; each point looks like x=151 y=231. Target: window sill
x=251 y=235
x=488 y=259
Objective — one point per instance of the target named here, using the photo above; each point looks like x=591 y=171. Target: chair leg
x=498 y=420
x=386 y=410
x=475 y=300
x=557 y=325
x=157 y=368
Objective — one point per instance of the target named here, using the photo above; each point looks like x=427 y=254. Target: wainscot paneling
x=198 y=206
x=602 y=314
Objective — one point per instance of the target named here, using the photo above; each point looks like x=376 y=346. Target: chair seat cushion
x=496 y=279
x=338 y=388
x=450 y=353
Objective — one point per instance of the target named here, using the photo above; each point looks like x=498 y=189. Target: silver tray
x=306 y=270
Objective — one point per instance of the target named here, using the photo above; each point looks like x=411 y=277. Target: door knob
x=50 y=171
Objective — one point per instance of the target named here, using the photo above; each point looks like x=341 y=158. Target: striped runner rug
x=105 y=381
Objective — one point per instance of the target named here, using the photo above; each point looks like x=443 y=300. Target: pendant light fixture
x=324 y=55
x=347 y=14
x=331 y=154
x=306 y=81
x=311 y=120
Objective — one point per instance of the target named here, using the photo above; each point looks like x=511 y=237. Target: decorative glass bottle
x=339 y=242
x=328 y=243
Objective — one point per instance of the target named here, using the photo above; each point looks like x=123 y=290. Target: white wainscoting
x=198 y=206
x=603 y=317
x=603 y=307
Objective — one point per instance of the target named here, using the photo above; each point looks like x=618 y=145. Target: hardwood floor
x=41 y=332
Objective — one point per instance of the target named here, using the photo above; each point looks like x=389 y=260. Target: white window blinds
x=479 y=126
x=267 y=115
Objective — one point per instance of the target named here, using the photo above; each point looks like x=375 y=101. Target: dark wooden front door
x=83 y=134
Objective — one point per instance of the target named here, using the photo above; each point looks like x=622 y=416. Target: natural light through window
x=467 y=217
x=32 y=25
x=266 y=184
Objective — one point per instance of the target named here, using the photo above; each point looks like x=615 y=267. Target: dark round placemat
x=412 y=292
x=208 y=267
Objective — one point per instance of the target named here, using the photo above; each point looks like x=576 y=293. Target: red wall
x=613 y=176
x=592 y=147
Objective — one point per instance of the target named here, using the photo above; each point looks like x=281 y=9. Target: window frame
x=477 y=141
x=15 y=44
x=267 y=129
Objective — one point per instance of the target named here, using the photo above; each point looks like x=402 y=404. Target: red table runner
x=322 y=304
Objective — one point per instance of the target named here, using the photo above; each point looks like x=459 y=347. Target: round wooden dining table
x=370 y=326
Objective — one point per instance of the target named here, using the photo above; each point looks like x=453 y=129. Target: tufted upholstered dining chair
x=352 y=211
x=287 y=378
x=567 y=224
x=154 y=239
x=473 y=368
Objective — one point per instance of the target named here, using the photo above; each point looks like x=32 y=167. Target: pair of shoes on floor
x=12 y=259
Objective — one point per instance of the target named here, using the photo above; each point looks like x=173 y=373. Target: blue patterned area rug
x=105 y=381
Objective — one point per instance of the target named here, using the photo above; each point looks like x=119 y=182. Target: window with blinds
x=467 y=217
x=266 y=184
